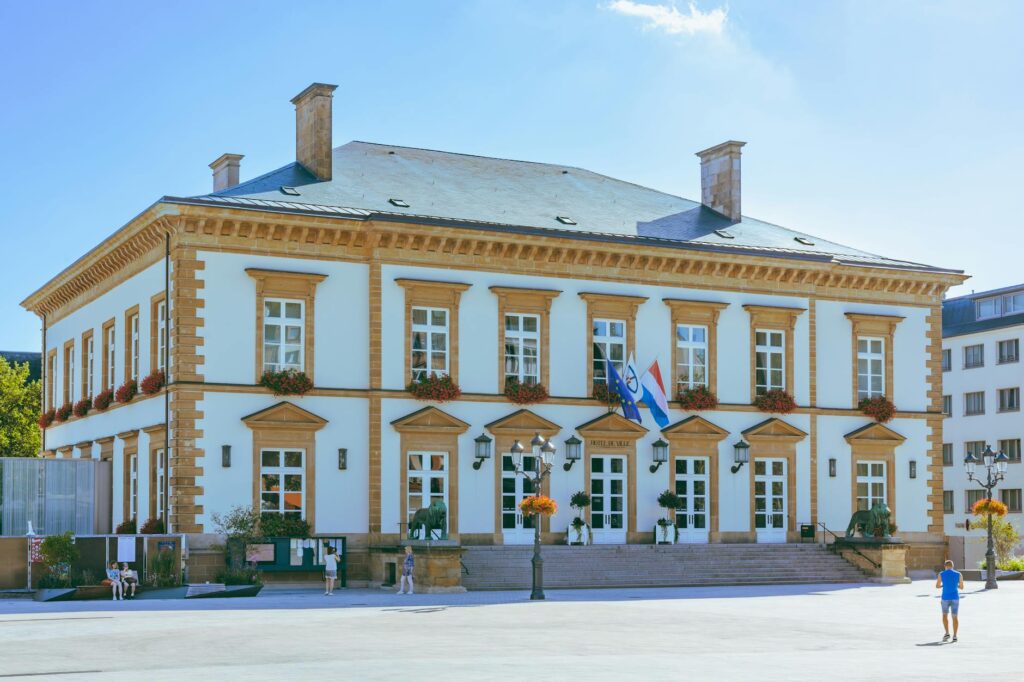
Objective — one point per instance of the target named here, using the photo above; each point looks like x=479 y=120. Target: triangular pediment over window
x=611 y=424
x=429 y=420
x=695 y=427
x=874 y=433
x=284 y=415
x=774 y=429
x=524 y=422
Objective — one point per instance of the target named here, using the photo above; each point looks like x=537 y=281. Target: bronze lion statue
x=867 y=520
x=429 y=519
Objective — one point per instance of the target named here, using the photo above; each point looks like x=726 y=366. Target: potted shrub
x=153 y=526
x=240 y=526
x=603 y=393
x=82 y=407
x=439 y=388
x=665 y=529
x=63 y=412
x=697 y=398
x=153 y=383
x=286 y=382
x=775 y=401
x=46 y=418
x=126 y=527
x=126 y=391
x=525 y=394
x=274 y=525
x=878 y=408
x=579 y=530
x=103 y=399
x=58 y=553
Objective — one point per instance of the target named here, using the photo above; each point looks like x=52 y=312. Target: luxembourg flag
x=654 y=394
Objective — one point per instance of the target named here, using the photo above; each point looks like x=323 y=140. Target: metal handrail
x=853 y=547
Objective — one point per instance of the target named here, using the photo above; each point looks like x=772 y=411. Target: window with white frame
x=133 y=487
x=161 y=336
x=111 y=382
x=1009 y=351
x=769 y=360
x=1011 y=448
x=974 y=447
x=870 y=367
x=947 y=359
x=1009 y=399
x=522 y=348
x=1011 y=498
x=426 y=480
x=974 y=403
x=974 y=356
x=283 y=329
x=282 y=482
x=871 y=484
x=51 y=380
x=947 y=501
x=691 y=356
x=609 y=338
x=69 y=373
x=429 y=342
x=996 y=306
x=947 y=405
x=947 y=454
x=972 y=497
x=133 y=370
x=161 y=483
x=90 y=351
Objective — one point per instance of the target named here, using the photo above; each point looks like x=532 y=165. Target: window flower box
x=603 y=393
x=440 y=389
x=878 y=408
x=153 y=383
x=103 y=399
x=697 y=398
x=126 y=391
x=63 y=412
x=775 y=401
x=46 y=418
x=525 y=394
x=82 y=407
x=286 y=382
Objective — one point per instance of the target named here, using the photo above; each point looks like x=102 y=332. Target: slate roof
x=520 y=196
x=959 y=314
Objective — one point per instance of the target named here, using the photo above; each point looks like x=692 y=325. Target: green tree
x=19 y=412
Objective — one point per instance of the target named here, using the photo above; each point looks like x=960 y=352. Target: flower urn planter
x=578 y=536
x=664 y=535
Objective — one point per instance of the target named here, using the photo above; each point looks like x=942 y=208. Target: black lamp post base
x=538 y=578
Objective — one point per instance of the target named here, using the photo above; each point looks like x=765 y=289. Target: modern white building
x=982 y=379
x=368 y=265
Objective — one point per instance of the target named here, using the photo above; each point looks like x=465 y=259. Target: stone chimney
x=720 y=178
x=225 y=171
x=313 y=129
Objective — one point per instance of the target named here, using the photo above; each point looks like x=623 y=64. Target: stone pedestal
x=438 y=566
x=889 y=557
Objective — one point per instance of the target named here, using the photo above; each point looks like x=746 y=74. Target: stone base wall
x=204 y=565
x=437 y=569
x=926 y=556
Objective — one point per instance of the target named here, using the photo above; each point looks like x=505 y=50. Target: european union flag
x=615 y=383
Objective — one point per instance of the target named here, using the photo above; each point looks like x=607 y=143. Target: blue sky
x=892 y=127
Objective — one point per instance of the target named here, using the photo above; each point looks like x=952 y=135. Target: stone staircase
x=508 y=567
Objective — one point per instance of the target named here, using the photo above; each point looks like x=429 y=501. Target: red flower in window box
x=697 y=398
x=440 y=389
x=46 y=418
x=82 y=407
x=286 y=382
x=103 y=399
x=775 y=401
x=126 y=391
x=525 y=394
x=63 y=412
x=606 y=394
x=987 y=507
x=153 y=383
x=878 y=408
x=538 y=505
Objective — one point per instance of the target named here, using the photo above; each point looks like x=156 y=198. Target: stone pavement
x=766 y=633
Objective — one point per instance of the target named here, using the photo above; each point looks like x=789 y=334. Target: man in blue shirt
x=951 y=583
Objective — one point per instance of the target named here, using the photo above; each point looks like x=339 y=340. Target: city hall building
x=367 y=266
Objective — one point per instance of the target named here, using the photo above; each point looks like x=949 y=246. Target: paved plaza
x=795 y=633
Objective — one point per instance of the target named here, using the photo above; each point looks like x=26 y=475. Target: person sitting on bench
x=114 y=576
x=129 y=579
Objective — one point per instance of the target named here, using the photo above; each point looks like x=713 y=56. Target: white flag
x=631 y=377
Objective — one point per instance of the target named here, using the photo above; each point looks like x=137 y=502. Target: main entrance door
x=608 y=499
x=692 y=489
x=516 y=529
x=770 y=493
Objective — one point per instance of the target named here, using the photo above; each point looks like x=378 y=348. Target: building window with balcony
x=769 y=360
x=947 y=501
x=974 y=403
x=694 y=343
x=282 y=482
x=974 y=356
x=1009 y=399
x=522 y=348
x=947 y=359
x=1012 y=499
x=1009 y=351
x=283 y=326
x=871 y=484
x=429 y=342
x=523 y=331
x=285 y=315
x=609 y=337
x=870 y=367
x=432 y=328
x=947 y=454
x=947 y=405
x=1011 y=448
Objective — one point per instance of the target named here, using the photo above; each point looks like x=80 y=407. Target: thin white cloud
x=670 y=20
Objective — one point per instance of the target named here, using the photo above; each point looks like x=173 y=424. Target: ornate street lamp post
x=995 y=469
x=544 y=455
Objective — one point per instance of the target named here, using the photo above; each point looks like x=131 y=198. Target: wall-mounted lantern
x=659 y=454
x=573 y=452
x=913 y=468
x=740 y=454
x=832 y=467
x=225 y=455
x=482 y=449
x=342 y=459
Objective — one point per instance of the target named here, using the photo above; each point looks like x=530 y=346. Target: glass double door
x=770 y=498
x=516 y=529
x=691 y=486
x=608 y=501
